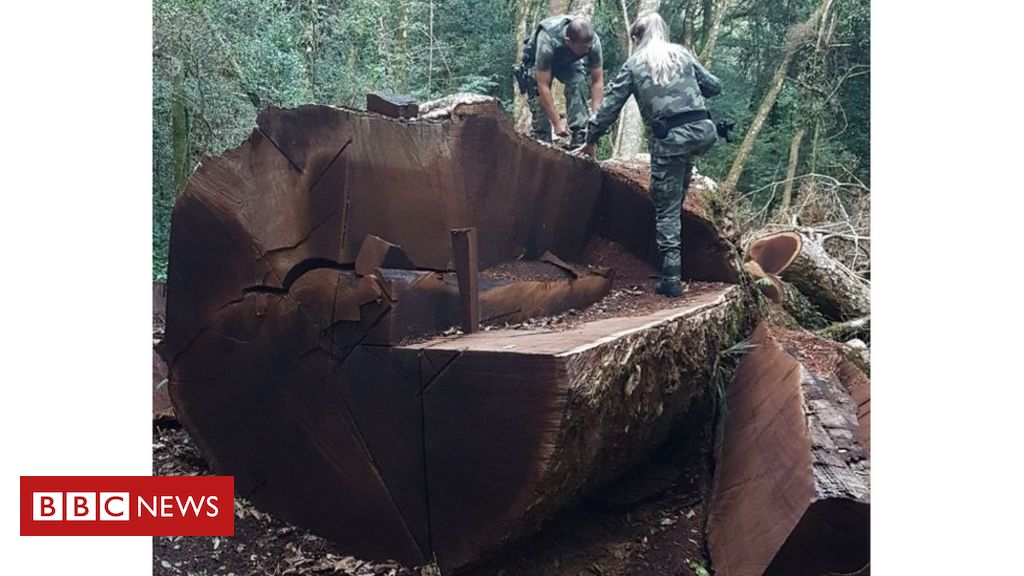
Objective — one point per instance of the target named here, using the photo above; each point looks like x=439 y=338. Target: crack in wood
x=274 y=144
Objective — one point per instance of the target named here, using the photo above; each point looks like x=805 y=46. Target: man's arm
x=542 y=73
x=619 y=92
x=596 y=87
x=547 y=101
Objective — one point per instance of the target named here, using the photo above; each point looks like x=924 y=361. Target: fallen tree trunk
x=791 y=490
x=803 y=261
x=311 y=371
x=842 y=331
x=837 y=292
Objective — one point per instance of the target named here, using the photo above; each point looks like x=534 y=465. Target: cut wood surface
x=775 y=252
x=791 y=489
x=453 y=447
x=312 y=372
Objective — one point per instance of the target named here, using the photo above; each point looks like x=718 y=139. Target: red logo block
x=127 y=506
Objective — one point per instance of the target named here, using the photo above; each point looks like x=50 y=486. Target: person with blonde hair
x=670 y=86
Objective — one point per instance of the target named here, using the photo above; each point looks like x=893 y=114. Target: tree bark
x=627 y=41
x=796 y=37
x=312 y=49
x=794 y=159
x=181 y=155
x=524 y=25
x=711 y=35
x=859 y=328
x=688 y=15
x=631 y=141
x=402 y=48
x=839 y=294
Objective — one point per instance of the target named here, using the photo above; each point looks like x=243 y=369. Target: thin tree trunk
x=797 y=35
x=430 y=57
x=688 y=14
x=628 y=42
x=711 y=35
x=521 y=105
x=707 y=19
x=794 y=159
x=180 y=133
x=402 y=70
x=631 y=141
x=311 y=50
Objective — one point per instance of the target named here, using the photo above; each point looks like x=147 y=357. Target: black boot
x=670 y=285
x=670 y=288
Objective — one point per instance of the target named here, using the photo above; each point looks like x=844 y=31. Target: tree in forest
x=630 y=135
x=797 y=38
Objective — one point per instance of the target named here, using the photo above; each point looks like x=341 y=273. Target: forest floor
x=661 y=535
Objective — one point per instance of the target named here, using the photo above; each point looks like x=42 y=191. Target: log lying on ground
x=791 y=489
x=450 y=448
x=843 y=331
x=838 y=293
x=775 y=252
x=835 y=291
x=626 y=215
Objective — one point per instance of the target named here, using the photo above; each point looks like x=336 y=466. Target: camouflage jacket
x=548 y=51
x=686 y=90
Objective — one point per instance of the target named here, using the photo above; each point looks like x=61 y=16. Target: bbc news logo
x=127 y=506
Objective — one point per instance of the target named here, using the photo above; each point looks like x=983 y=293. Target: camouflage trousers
x=670 y=179
x=575 y=80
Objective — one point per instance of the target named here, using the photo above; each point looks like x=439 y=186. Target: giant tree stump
x=791 y=491
x=310 y=370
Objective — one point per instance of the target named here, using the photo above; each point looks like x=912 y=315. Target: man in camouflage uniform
x=566 y=48
x=681 y=95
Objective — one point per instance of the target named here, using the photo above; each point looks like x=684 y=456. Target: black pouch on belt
x=660 y=127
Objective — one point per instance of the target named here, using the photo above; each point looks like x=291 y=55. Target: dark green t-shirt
x=553 y=54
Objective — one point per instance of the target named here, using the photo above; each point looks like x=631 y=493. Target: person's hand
x=586 y=149
x=561 y=128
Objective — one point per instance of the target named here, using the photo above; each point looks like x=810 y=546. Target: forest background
x=796 y=77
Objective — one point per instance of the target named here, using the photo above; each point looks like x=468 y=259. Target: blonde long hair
x=653 y=48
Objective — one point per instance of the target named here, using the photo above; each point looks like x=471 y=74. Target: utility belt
x=661 y=126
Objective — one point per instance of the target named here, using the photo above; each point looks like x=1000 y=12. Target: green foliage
x=216 y=63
